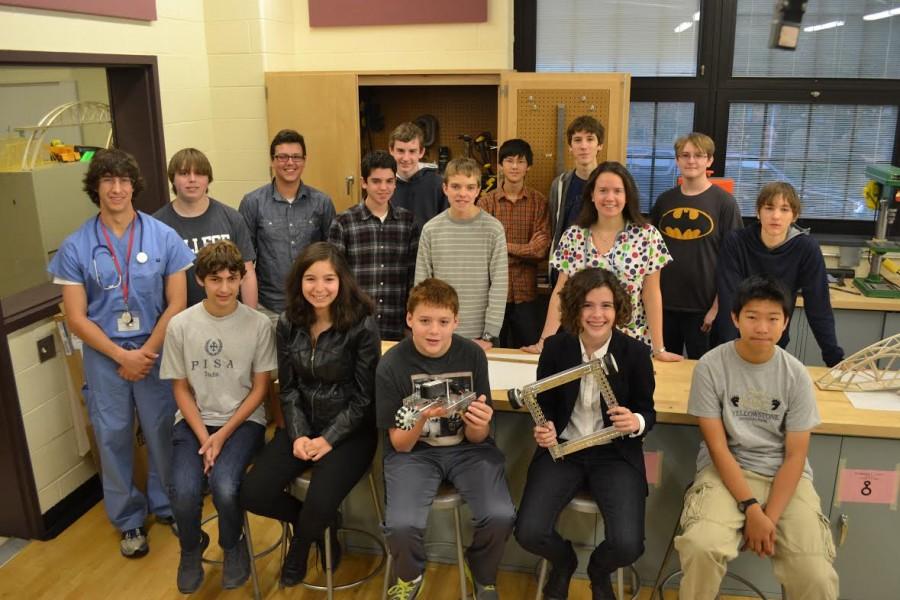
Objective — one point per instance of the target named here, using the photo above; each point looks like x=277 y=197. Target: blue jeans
x=186 y=491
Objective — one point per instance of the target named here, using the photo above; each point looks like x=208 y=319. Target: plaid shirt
x=383 y=258
x=527 y=225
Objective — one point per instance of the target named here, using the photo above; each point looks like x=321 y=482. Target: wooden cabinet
x=327 y=109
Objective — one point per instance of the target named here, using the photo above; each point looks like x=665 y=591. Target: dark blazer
x=633 y=386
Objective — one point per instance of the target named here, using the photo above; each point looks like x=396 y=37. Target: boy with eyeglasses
x=284 y=217
x=122 y=278
x=694 y=219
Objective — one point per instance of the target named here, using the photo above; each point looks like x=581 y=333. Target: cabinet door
x=538 y=107
x=867 y=561
x=324 y=108
x=855 y=329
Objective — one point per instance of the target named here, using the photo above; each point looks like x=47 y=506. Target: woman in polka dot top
x=610 y=233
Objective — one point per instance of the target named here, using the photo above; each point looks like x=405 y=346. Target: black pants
x=521 y=326
x=618 y=488
x=681 y=331
x=263 y=491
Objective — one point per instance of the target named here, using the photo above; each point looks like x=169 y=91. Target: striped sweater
x=471 y=256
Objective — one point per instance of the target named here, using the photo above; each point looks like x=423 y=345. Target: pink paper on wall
x=868 y=486
x=358 y=13
x=653 y=465
x=140 y=10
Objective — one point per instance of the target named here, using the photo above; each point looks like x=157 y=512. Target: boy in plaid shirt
x=380 y=242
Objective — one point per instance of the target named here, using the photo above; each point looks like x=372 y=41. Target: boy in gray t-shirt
x=219 y=353
x=756 y=408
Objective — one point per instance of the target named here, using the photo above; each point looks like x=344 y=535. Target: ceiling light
x=824 y=26
x=882 y=15
x=684 y=26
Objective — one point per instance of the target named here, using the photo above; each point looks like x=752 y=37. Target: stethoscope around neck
x=141 y=257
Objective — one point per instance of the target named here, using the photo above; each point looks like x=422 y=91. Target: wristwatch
x=492 y=340
x=745 y=504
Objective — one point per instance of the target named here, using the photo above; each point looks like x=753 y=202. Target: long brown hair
x=351 y=304
x=588 y=215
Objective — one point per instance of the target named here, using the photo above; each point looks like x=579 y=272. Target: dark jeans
x=411 y=480
x=263 y=492
x=616 y=486
x=681 y=331
x=521 y=326
x=186 y=490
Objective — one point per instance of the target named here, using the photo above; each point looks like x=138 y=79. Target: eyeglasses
x=689 y=156
x=286 y=158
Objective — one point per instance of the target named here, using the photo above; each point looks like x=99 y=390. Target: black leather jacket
x=329 y=389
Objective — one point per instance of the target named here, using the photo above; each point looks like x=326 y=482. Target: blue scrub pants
x=111 y=403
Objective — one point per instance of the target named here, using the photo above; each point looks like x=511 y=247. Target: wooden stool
x=447 y=498
x=299 y=489
x=584 y=503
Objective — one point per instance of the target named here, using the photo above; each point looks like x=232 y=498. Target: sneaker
x=236 y=566
x=557 y=586
x=294 y=568
x=482 y=592
x=405 y=590
x=190 y=567
x=134 y=543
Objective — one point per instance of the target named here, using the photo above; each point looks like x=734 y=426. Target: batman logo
x=686 y=224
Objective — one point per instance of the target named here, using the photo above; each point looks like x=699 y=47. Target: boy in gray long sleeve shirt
x=466 y=247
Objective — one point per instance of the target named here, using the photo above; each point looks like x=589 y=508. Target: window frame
x=714 y=88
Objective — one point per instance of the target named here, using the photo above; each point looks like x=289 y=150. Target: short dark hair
x=761 y=287
x=435 y=292
x=588 y=215
x=576 y=289
x=587 y=124
x=515 y=147
x=286 y=136
x=351 y=304
x=116 y=163
x=218 y=256
x=188 y=160
x=377 y=159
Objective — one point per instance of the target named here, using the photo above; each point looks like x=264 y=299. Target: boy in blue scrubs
x=122 y=277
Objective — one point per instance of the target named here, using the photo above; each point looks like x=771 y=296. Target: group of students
x=448 y=282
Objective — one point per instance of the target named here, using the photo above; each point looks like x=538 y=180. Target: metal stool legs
x=460 y=559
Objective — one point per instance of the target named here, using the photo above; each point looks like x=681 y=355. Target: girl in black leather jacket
x=328 y=347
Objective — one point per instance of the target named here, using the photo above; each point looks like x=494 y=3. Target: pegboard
x=536 y=123
x=460 y=109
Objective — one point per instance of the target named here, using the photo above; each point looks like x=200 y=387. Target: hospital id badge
x=127 y=322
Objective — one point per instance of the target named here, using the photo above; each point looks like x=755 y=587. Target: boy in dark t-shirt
x=201 y=220
x=693 y=218
x=440 y=445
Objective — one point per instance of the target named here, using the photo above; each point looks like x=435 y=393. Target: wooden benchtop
x=848 y=297
x=673 y=384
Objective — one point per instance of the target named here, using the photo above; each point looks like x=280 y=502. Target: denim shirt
x=280 y=231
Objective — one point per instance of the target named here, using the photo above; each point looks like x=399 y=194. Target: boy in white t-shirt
x=218 y=353
x=756 y=408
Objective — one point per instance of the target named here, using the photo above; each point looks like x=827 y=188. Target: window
x=838 y=39
x=644 y=38
x=652 y=130
x=822 y=150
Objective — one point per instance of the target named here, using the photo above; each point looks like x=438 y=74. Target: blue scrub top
x=166 y=253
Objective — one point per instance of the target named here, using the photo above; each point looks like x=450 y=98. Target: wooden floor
x=84 y=563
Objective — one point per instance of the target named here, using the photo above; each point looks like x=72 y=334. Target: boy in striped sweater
x=466 y=247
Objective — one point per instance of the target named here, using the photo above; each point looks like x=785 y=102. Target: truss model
x=873 y=369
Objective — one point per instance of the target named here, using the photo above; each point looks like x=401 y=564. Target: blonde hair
x=462 y=166
x=702 y=141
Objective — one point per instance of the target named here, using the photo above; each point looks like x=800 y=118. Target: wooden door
x=538 y=107
x=324 y=108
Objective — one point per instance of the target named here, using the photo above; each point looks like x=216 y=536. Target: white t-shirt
x=218 y=356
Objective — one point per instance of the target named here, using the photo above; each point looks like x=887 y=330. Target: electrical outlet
x=46 y=348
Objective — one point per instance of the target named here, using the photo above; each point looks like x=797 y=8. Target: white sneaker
x=134 y=543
